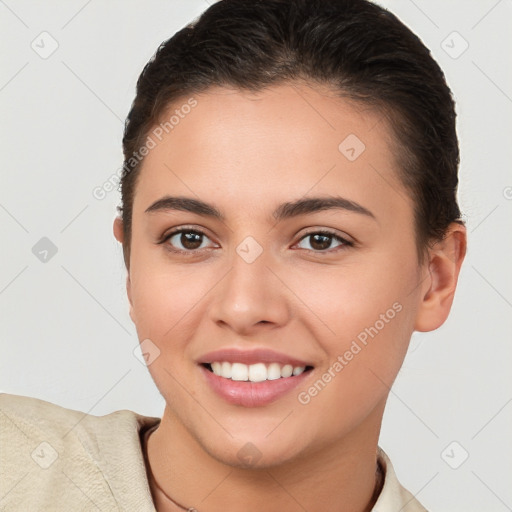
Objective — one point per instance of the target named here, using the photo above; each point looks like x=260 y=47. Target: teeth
x=297 y=370
x=255 y=372
x=287 y=370
x=239 y=371
x=273 y=371
x=225 y=370
x=216 y=367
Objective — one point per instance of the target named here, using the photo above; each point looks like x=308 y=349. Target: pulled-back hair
x=359 y=50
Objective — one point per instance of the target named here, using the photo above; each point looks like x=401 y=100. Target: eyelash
x=193 y=252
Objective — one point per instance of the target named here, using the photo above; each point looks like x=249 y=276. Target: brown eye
x=320 y=241
x=185 y=240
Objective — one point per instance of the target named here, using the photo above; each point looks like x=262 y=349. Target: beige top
x=53 y=458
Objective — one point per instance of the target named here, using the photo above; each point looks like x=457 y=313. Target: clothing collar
x=118 y=452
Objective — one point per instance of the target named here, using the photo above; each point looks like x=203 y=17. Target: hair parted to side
x=361 y=51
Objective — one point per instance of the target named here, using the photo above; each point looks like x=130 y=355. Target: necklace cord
x=379 y=480
x=152 y=476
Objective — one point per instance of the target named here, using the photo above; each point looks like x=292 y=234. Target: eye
x=189 y=241
x=320 y=241
x=184 y=240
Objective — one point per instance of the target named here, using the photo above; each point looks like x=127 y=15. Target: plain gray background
x=66 y=336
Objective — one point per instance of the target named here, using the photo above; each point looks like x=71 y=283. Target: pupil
x=324 y=244
x=191 y=240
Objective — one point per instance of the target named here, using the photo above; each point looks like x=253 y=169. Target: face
x=267 y=276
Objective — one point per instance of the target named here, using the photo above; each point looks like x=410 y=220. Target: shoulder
x=54 y=456
x=24 y=415
x=393 y=496
x=36 y=414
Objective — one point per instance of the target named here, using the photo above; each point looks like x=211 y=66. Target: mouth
x=252 y=378
x=258 y=381
x=258 y=372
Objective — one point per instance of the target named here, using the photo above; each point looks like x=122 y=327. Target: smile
x=258 y=372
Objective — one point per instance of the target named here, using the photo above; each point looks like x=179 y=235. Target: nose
x=252 y=296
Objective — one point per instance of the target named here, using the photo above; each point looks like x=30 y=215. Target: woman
x=288 y=220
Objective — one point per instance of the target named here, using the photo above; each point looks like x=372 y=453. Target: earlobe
x=119 y=235
x=129 y=294
x=445 y=260
x=118 y=229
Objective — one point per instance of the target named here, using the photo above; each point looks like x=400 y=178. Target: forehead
x=249 y=150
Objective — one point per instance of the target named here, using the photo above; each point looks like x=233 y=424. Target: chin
x=254 y=454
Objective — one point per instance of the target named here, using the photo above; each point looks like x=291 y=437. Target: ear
x=119 y=235
x=444 y=262
x=118 y=229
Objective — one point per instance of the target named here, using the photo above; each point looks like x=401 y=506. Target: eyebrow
x=284 y=211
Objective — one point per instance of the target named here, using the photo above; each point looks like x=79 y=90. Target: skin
x=246 y=153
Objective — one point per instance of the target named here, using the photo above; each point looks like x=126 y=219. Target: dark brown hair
x=359 y=50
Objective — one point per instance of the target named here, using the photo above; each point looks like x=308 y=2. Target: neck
x=339 y=476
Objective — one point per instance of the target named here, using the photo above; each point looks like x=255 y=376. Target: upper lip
x=259 y=355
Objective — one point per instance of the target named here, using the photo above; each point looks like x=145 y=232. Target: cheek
x=343 y=303
x=162 y=293
x=164 y=300
x=363 y=359
x=165 y=305
x=364 y=318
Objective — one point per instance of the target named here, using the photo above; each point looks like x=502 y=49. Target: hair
x=359 y=50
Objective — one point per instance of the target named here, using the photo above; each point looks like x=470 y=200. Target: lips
x=252 y=378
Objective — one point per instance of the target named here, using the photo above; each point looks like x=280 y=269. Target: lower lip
x=252 y=394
